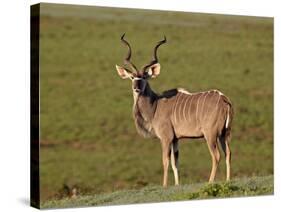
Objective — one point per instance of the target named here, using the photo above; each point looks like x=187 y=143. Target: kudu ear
x=123 y=73
x=154 y=70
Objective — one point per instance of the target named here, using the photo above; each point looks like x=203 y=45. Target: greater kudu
x=177 y=114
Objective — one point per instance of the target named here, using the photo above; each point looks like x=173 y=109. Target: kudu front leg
x=174 y=160
x=165 y=159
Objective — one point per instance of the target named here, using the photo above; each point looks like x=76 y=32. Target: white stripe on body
x=216 y=104
x=207 y=111
x=207 y=93
x=196 y=115
x=190 y=107
x=184 y=112
x=179 y=108
x=175 y=108
x=182 y=90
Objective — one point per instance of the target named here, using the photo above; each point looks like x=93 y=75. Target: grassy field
x=237 y=188
x=88 y=138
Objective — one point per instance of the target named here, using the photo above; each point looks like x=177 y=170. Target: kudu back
x=177 y=114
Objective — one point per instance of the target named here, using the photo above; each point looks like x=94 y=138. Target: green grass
x=88 y=138
x=236 y=188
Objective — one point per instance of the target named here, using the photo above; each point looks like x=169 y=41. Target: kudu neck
x=145 y=105
x=146 y=102
x=148 y=94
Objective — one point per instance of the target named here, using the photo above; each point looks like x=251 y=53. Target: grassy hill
x=87 y=134
x=236 y=188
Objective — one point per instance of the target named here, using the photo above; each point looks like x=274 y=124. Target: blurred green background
x=87 y=134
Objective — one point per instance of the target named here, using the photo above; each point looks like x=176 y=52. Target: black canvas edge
x=34 y=106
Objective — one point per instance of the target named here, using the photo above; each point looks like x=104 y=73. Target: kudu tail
x=229 y=117
x=225 y=137
x=229 y=112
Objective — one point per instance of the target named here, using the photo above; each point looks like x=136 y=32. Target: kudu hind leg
x=215 y=154
x=174 y=160
x=224 y=141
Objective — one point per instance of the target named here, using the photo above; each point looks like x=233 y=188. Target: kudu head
x=139 y=77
